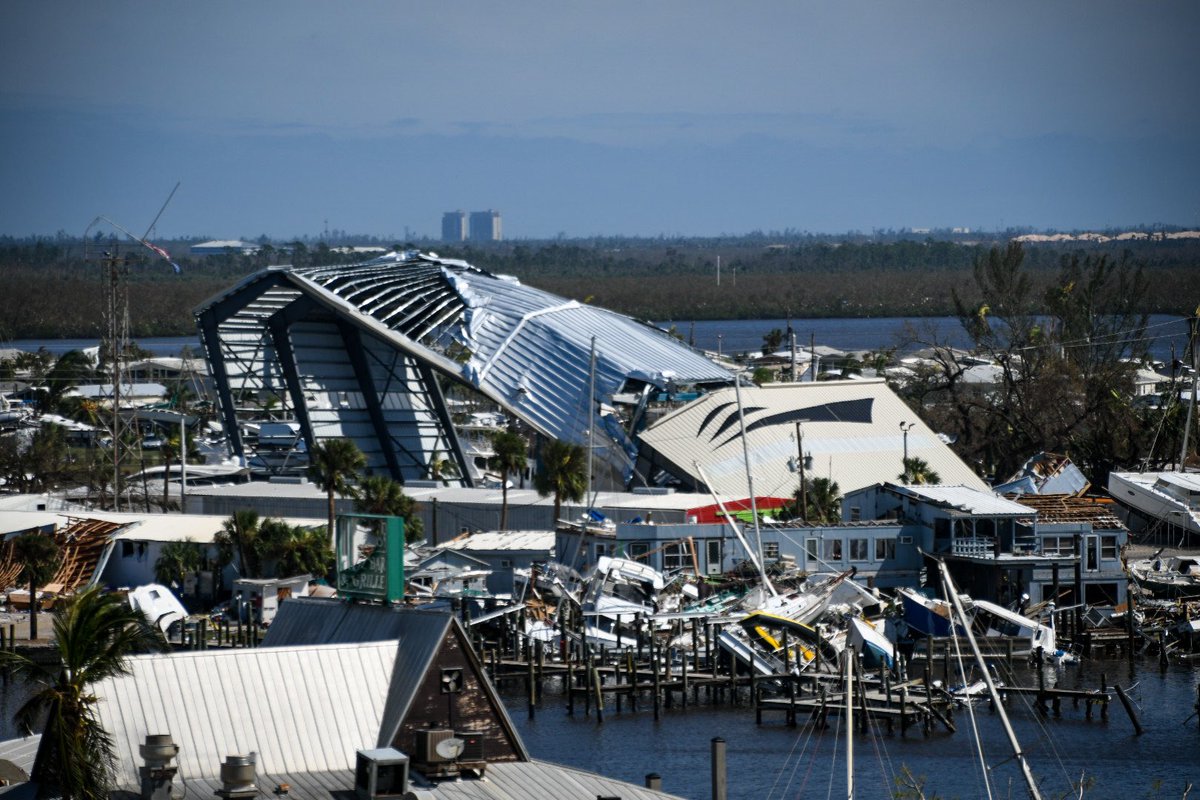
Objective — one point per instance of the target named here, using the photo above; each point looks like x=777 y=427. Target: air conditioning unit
x=472 y=749
x=381 y=773
x=428 y=751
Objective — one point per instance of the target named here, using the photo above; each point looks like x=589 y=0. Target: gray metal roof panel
x=304 y=709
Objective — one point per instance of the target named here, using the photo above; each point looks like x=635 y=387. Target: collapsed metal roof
x=355 y=348
x=855 y=433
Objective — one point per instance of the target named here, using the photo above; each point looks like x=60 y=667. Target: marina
x=644 y=576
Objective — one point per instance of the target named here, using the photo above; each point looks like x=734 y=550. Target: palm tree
x=510 y=457
x=332 y=465
x=917 y=472
x=379 y=494
x=176 y=561
x=563 y=473
x=295 y=550
x=826 y=498
x=37 y=554
x=239 y=537
x=94 y=633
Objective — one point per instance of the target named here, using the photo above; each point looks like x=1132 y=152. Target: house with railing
x=1051 y=548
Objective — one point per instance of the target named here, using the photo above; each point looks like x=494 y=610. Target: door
x=712 y=557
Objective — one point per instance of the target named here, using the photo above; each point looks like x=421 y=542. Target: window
x=638 y=549
x=676 y=557
x=1058 y=545
x=855 y=513
x=771 y=550
x=858 y=549
x=885 y=549
x=1108 y=548
x=126 y=549
x=506 y=563
x=833 y=549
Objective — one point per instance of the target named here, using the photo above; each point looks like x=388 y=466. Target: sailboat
x=1018 y=754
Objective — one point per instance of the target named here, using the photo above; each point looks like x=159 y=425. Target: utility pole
x=803 y=481
x=115 y=334
x=904 y=429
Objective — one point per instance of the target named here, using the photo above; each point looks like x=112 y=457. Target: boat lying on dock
x=1171 y=498
x=1171 y=578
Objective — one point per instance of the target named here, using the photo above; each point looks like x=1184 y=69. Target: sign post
x=370 y=557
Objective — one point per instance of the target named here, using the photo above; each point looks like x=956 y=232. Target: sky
x=640 y=118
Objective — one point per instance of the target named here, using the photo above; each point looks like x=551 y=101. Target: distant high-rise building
x=485 y=226
x=454 y=226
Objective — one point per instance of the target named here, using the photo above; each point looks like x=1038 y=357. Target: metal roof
x=532 y=780
x=850 y=428
x=309 y=621
x=301 y=709
x=503 y=540
x=982 y=502
x=525 y=349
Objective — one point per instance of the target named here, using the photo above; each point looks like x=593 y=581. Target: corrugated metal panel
x=970 y=499
x=504 y=540
x=504 y=781
x=537 y=780
x=851 y=429
x=305 y=709
x=530 y=350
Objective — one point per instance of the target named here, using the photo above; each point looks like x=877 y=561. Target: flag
x=166 y=256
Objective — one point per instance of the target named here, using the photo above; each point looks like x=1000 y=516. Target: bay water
x=775 y=761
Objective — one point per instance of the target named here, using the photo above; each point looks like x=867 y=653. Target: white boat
x=1168 y=578
x=995 y=620
x=11 y=414
x=1172 y=498
x=159 y=604
x=866 y=638
x=618 y=591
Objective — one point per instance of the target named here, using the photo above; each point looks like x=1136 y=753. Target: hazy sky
x=640 y=118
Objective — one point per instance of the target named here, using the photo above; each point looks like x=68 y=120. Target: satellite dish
x=449 y=748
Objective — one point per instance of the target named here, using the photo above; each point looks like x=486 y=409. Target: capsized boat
x=775 y=645
x=996 y=620
x=868 y=639
x=618 y=591
x=927 y=616
x=1168 y=578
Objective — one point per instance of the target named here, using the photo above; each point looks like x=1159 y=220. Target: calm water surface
x=743 y=335
x=775 y=761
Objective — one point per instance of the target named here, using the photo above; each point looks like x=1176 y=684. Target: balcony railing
x=973 y=546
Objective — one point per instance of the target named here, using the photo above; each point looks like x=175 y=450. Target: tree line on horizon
x=52 y=291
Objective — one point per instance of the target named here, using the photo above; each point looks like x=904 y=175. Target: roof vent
x=237 y=777
x=381 y=773
x=157 y=775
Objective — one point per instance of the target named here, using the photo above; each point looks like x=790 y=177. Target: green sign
x=370 y=557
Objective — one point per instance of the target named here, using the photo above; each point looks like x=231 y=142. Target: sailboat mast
x=755 y=558
x=952 y=595
x=849 y=654
x=737 y=390
x=1187 y=426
